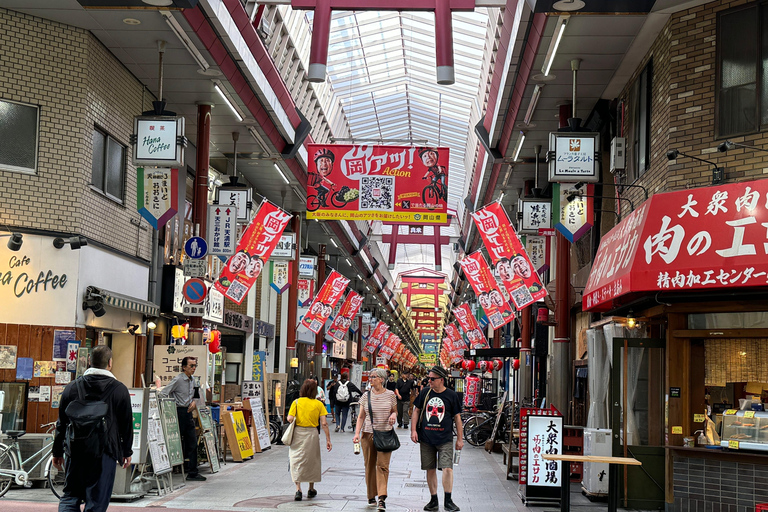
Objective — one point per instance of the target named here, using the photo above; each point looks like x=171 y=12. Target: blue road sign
x=196 y=247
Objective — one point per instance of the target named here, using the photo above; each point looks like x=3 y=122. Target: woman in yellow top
x=304 y=452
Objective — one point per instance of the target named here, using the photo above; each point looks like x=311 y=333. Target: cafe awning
x=117 y=300
x=705 y=238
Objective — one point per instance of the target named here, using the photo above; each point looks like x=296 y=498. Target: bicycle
x=337 y=199
x=481 y=431
x=432 y=193
x=13 y=468
x=275 y=429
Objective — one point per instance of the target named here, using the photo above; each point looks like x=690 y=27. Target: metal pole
x=575 y=68
x=293 y=298
x=320 y=335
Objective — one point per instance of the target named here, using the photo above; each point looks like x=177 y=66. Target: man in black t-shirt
x=403 y=393
x=436 y=409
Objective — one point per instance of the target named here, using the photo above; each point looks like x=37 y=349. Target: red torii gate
x=419 y=238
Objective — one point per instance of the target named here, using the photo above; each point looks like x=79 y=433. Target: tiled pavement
x=263 y=484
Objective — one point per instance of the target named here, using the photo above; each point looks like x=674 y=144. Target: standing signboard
x=222 y=230
x=206 y=427
x=170 y=422
x=260 y=429
x=541 y=432
x=139 y=410
x=237 y=435
x=158 y=452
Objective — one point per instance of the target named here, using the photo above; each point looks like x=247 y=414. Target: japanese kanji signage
x=306 y=292
x=486 y=288
x=469 y=325
x=541 y=432
x=537 y=214
x=575 y=217
x=279 y=280
x=537 y=248
x=710 y=237
x=285 y=247
x=252 y=252
x=158 y=141
x=389 y=183
x=326 y=300
x=575 y=158
x=239 y=197
x=157 y=195
x=508 y=255
x=343 y=320
x=307 y=266
x=222 y=230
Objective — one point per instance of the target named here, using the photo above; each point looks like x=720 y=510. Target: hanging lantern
x=498 y=364
x=470 y=366
x=483 y=365
x=472 y=390
x=179 y=332
x=215 y=336
x=516 y=364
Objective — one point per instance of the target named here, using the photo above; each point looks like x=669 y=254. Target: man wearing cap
x=437 y=173
x=436 y=409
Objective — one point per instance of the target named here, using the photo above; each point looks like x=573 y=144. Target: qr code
x=496 y=320
x=521 y=296
x=236 y=291
x=377 y=193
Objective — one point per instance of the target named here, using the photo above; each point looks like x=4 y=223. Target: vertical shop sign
x=279 y=280
x=537 y=248
x=574 y=217
x=487 y=289
x=306 y=292
x=326 y=300
x=541 y=432
x=157 y=194
x=222 y=230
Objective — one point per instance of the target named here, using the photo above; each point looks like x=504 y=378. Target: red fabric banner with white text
x=508 y=255
x=343 y=320
x=470 y=326
x=253 y=250
x=323 y=304
x=487 y=290
x=376 y=337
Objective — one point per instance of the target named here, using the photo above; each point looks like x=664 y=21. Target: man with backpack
x=403 y=393
x=343 y=398
x=95 y=428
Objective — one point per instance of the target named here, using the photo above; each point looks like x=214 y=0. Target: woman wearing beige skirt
x=304 y=452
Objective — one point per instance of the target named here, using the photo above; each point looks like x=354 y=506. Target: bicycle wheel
x=56 y=478
x=275 y=432
x=471 y=424
x=313 y=203
x=429 y=196
x=338 y=201
x=7 y=463
x=480 y=435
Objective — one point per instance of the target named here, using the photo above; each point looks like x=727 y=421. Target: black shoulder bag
x=383 y=440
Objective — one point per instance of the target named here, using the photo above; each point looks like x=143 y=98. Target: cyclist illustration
x=324 y=159
x=436 y=189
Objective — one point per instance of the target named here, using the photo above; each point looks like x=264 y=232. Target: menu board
x=158 y=452
x=206 y=426
x=171 y=429
x=139 y=411
x=259 y=425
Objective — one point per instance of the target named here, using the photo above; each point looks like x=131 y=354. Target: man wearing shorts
x=436 y=409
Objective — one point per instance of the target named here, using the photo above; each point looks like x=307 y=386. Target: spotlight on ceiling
x=15 y=241
x=132 y=328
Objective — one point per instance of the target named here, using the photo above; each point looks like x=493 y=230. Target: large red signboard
x=710 y=237
x=470 y=326
x=343 y=320
x=406 y=184
x=326 y=300
x=253 y=250
x=508 y=255
x=487 y=290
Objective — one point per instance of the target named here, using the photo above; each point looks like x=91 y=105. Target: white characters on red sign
x=658 y=243
x=435 y=409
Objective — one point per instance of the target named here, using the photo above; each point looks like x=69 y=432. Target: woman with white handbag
x=303 y=438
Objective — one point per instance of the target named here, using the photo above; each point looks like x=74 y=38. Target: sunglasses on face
x=434 y=378
x=191 y=366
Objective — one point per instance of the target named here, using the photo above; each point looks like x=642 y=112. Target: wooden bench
x=613 y=476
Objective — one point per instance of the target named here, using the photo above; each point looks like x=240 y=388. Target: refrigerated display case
x=745 y=430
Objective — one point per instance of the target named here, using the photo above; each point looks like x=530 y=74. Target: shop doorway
x=637 y=419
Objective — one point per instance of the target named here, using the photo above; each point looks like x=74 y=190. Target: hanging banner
x=326 y=300
x=508 y=255
x=574 y=218
x=306 y=292
x=389 y=183
x=537 y=248
x=376 y=337
x=470 y=326
x=157 y=194
x=254 y=248
x=343 y=320
x=278 y=278
x=486 y=288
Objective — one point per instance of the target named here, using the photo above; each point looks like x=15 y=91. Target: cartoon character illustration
x=239 y=262
x=435 y=409
x=253 y=269
x=324 y=159
x=437 y=173
x=521 y=266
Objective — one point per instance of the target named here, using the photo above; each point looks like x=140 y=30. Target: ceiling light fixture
x=568 y=5
x=519 y=145
x=348 y=262
x=14 y=242
x=131 y=21
x=553 y=45
x=185 y=40
x=631 y=320
x=532 y=105
x=158 y=3
x=501 y=197
x=334 y=243
x=281 y=174
x=228 y=100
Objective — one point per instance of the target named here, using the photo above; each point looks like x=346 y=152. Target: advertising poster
x=487 y=290
x=509 y=256
x=72 y=347
x=470 y=326
x=324 y=302
x=306 y=292
x=7 y=357
x=253 y=250
x=343 y=320
x=61 y=339
x=24 y=368
x=389 y=183
x=56 y=392
x=45 y=369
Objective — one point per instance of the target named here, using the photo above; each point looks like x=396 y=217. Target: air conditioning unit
x=597 y=441
x=618 y=154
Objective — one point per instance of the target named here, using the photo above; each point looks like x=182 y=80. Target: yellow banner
x=428 y=359
x=411 y=218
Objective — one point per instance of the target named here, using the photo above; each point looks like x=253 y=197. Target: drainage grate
x=415 y=484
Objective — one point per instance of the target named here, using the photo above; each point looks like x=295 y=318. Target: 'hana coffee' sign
x=159 y=141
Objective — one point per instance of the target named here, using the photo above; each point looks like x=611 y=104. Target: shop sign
x=404 y=184
x=257 y=370
x=279 y=280
x=264 y=329
x=325 y=301
x=214 y=305
x=576 y=217
x=537 y=248
x=367 y=317
x=157 y=194
x=307 y=265
x=284 y=249
x=239 y=197
x=158 y=141
x=541 y=432
x=339 y=349
x=168 y=360
x=486 y=288
x=537 y=214
x=381 y=361
x=428 y=359
x=238 y=321
x=575 y=157
x=306 y=292
x=222 y=230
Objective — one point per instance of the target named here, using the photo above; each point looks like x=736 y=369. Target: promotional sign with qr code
x=323 y=304
x=253 y=250
x=389 y=183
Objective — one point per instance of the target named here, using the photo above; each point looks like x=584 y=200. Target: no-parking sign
x=195 y=290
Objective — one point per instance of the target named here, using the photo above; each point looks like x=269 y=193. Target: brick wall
x=718 y=486
x=77 y=83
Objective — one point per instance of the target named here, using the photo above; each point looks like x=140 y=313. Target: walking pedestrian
x=403 y=393
x=89 y=479
x=331 y=389
x=391 y=383
x=384 y=406
x=304 y=452
x=183 y=390
x=436 y=409
x=344 y=393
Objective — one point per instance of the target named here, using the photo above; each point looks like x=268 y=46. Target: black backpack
x=88 y=423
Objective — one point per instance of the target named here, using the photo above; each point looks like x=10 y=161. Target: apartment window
x=640 y=119
x=108 y=174
x=742 y=78
x=18 y=136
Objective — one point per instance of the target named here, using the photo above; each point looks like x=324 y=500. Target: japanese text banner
x=343 y=320
x=253 y=250
x=323 y=304
x=487 y=289
x=705 y=238
x=469 y=324
x=389 y=183
x=508 y=255
x=376 y=337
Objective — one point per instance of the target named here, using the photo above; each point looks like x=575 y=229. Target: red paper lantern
x=483 y=365
x=516 y=364
x=472 y=389
x=498 y=364
x=469 y=365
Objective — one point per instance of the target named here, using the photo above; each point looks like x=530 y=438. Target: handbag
x=383 y=440
x=287 y=438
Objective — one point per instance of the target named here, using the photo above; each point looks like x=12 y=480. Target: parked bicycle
x=15 y=469
x=481 y=429
x=275 y=429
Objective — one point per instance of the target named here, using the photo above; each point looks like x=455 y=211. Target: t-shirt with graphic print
x=437 y=415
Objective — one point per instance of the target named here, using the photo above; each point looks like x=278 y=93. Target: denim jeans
x=341 y=414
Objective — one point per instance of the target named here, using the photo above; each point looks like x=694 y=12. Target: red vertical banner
x=343 y=320
x=323 y=304
x=253 y=250
x=509 y=256
x=376 y=336
x=470 y=326
x=487 y=290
